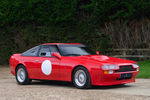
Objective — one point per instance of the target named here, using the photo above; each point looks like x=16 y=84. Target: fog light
x=110 y=71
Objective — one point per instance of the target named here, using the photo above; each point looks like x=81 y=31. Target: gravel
x=56 y=90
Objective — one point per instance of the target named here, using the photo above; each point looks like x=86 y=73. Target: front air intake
x=125 y=68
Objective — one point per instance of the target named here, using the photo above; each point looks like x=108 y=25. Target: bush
x=26 y=23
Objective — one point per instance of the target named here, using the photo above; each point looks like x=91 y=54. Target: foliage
x=144 y=69
x=25 y=23
x=68 y=11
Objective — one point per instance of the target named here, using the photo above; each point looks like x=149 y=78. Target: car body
x=61 y=61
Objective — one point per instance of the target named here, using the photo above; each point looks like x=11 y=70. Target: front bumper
x=113 y=79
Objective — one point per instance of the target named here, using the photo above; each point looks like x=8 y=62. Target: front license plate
x=126 y=75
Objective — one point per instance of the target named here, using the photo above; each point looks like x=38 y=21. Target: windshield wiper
x=72 y=55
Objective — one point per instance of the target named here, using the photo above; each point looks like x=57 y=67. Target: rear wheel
x=22 y=75
x=81 y=78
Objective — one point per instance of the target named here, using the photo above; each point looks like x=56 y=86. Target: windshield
x=75 y=50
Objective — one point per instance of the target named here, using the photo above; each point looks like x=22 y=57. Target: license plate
x=126 y=75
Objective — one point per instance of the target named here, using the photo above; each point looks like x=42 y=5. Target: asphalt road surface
x=52 y=90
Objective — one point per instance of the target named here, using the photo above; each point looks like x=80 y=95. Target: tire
x=121 y=85
x=81 y=78
x=22 y=75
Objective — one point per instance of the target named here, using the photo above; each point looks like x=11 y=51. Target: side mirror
x=97 y=53
x=57 y=55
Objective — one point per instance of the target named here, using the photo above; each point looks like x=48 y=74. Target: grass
x=144 y=69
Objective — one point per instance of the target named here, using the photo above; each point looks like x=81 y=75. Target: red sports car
x=71 y=62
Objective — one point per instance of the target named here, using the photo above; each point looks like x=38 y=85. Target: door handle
x=36 y=61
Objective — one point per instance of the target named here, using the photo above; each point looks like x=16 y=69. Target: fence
x=132 y=54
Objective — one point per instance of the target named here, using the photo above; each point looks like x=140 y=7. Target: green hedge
x=25 y=23
x=70 y=11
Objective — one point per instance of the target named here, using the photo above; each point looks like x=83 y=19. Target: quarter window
x=31 y=52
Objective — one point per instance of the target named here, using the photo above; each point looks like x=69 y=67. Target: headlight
x=110 y=67
x=135 y=65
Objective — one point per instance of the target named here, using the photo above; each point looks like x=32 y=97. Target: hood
x=106 y=59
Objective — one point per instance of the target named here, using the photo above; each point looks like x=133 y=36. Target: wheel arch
x=77 y=67
x=18 y=66
x=27 y=79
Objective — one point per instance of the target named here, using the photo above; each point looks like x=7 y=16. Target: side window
x=45 y=52
x=31 y=52
x=53 y=49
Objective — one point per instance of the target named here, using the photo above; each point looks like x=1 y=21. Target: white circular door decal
x=46 y=67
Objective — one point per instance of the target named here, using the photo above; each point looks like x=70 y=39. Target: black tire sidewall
x=88 y=78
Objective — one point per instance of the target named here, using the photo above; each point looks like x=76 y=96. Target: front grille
x=125 y=68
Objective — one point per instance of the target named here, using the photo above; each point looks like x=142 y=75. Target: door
x=48 y=66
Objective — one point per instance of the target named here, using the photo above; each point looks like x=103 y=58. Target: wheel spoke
x=21 y=75
x=80 y=78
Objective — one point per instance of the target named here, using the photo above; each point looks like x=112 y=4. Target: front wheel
x=81 y=78
x=22 y=75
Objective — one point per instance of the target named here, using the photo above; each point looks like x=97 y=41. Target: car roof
x=62 y=44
